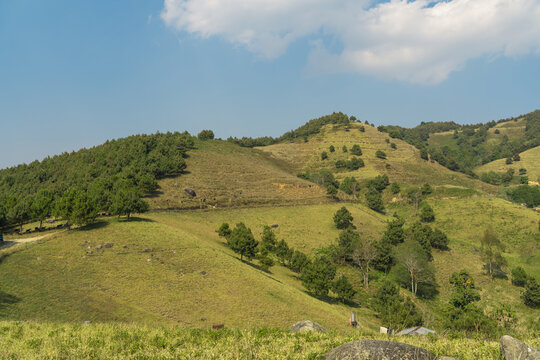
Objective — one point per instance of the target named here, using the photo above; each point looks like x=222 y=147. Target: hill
x=529 y=160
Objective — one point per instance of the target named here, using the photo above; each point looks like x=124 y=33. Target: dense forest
x=111 y=178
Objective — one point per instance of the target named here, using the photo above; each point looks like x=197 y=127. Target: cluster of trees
x=525 y=194
x=531 y=293
x=353 y=164
x=497 y=178
x=375 y=188
x=111 y=178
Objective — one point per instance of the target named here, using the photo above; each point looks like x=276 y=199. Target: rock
x=448 y=358
x=99 y=247
x=307 y=325
x=378 y=350
x=513 y=349
x=203 y=273
x=89 y=252
x=203 y=319
x=125 y=246
x=274 y=226
x=108 y=245
x=146 y=250
x=190 y=192
x=86 y=323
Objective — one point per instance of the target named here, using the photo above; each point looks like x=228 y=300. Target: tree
x=385 y=256
x=516 y=157
x=424 y=154
x=519 y=276
x=426 y=213
x=332 y=148
x=41 y=207
x=344 y=148
x=379 y=183
x=127 y=200
x=393 y=146
x=268 y=239
x=531 y=295
x=374 y=200
x=426 y=189
x=394 y=188
x=439 y=240
x=317 y=276
x=324 y=155
x=349 y=185
x=412 y=257
x=355 y=150
x=394 y=233
x=343 y=218
x=508 y=161
x=380 y=154
x=147 y=183
x=347 y=241
x=283 y=252
x=206 y=135
x=491 y=250
x=343 y=289
x=423 y=235
x=394 y=311
x=224 y=230
x=364 y=256
x=84 y=210
x=264 y=258
x=415 y=198
x=299 y=260
x=18 y=212
x=242 y=242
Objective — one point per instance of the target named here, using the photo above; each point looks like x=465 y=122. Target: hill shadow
x=7 y=299
x=94 y=226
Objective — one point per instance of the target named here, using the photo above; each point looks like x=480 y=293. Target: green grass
x=226 y=175
x=530 y=160
x=31 y=340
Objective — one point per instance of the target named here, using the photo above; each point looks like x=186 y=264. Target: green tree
x=423 y=235
x=411 y=256
x=343 y=218
x=393 y=146
x=268 y=239
x=374 y=200
x=519 y=276
x=380 y=154
x=347 y=241
x=426 y=189
x=343 y=289
x=264 y=258
x=224 y=230
x=491 y=250
x=206 y=135
x=42 y=206
x=531 y=295
x=424 y=154
x=147 y=183
x=355 y=150
x=394 y=233
x=332 y=148
x=344 y=148
x=439 y=240
x=393 y=310
x=19 y=212
x=379 y=183
x=364 y=256
x=299 y=260
x=283 y=252
x=349 y=185
x=242 y=241
x=394 y=188
x=127 y=200
x=426 y=213
x=84 y=211
x=324 y=155
x=317 y=276
x=385 y=256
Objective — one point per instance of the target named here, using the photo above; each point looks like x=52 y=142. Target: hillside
x=403 y=164
x=529 y=160
x=226 y=175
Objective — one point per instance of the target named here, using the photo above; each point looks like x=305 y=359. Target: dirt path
x=12 y=242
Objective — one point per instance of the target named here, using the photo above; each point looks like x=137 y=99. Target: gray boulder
x=378 y=350
x=307 y=325
x=513 y=349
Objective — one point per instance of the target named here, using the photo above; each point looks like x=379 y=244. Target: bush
x=380 y=154
x=355 y=150
x=531 y=295
x=394 y=188
x=426 y=213
x=508 y=161
x=379 y=183
x=516 y=157
x=524 y=180
x=206 y=135
x=324 y=155
x=426 y=189
x=393 y=146
x=393 y=310
x=224 y=230
x=343 y=218
x=344 y=148
x=519 y=276
x=362 y=129
x=354 y=164
x=439 y=240
x=332 y=148
x=522 y=171
x=529 y=195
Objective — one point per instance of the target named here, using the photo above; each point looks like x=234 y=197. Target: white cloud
x=417 y=41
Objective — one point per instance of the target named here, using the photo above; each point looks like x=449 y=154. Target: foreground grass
x=29 y=340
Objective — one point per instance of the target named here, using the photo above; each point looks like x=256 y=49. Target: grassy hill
x=530 y=160
x=403 y=164
x=224 y=175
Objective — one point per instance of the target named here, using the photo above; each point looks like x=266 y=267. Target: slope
x=403 y=164
x=530 y=161
x=224 y=174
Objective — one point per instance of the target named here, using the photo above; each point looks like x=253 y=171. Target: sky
x=76 y=73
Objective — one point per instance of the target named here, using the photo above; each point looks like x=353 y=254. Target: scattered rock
x=203 y=319
x=148 y=259
x=307 y=325
x=99 y=247
x=378 y=350
x=108 y=245
x=203 y=272
x=146 y=250
x=448 y=358
x=38 y=258
x=86 y=323
x=89 y=252
x=190 y=192
x=218 y=326
x=513 y=349
x=125 y=246
x=274 y=226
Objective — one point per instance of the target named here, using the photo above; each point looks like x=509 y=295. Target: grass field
x=530 y=160
x=403 y=164
x=31 y=340
x=226 y=175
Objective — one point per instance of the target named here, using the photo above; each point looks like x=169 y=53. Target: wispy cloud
x=417 y=41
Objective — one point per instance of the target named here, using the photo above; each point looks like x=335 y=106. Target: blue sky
x=74 y=74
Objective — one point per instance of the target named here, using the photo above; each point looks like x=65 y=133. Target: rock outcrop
x=378 y=350
x=513 y=349
x=307 y=325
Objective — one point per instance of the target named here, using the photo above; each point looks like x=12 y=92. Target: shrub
x=206 y=135
x=516 y=157
x=522 y=171
x=519 y=276
x=508 y=161
x=344 y=148
x=380 y=154
x=349 y=185
x=355 y=150
x=531 y=295
x=324 y=155
x=224 y=230
x=362 y=129
x=332 y=148
x=343 y=218
x=393 y=146
x=424 y=154
x=354 y=164
x=379 y=183
x=426 y=189
x=426 y=213
x=394 y=188
x=439 y=240
x=497 y=131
